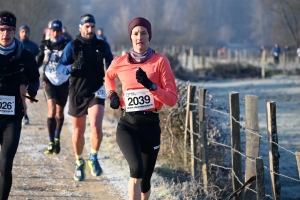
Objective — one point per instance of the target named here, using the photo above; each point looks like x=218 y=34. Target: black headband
x=7 y=21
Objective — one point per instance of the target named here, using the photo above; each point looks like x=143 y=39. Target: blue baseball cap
x=56 y=25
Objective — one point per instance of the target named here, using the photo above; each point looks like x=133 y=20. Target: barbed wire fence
x=213 y=162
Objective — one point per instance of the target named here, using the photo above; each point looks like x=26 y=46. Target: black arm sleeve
x=41 y=55
x=31 y=70
x=108 y=55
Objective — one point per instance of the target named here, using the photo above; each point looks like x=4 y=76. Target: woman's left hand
x=142 y=78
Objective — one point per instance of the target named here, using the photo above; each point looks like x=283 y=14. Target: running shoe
x=25 y=120
x=94 y=165
x=56 y=146
x=79 y=174
x=50 y=149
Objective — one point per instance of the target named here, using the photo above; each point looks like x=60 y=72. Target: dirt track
x=37 y=176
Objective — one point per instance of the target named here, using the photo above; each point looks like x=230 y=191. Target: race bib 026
x=7 y=105
x=138 y=100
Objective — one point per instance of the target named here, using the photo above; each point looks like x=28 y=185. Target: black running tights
x=140 y=146
x=9 y=140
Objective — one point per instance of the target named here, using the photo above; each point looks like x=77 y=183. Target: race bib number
x=101 y=93
x=138 y=100
x=7 y=105
x=50 y=69
x=78 y=173
x=52 y=60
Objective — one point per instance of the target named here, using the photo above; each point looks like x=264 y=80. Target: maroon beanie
x=139 y=21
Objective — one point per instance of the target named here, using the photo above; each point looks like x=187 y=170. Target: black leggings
x=10 y=130
x=140 y=146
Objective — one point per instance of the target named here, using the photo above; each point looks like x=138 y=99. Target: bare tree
x=284 y=20
x=290 y=10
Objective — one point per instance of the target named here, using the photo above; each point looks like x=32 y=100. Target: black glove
x=31 y=90
x=142 y=78
x=114 y=100
x=77 y=65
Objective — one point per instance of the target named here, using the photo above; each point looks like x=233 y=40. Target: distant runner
x=24 y=32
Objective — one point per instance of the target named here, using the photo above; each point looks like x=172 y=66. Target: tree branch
x=295 y=21
x=287 y=21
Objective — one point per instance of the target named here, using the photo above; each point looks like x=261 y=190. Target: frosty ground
x=285 y=91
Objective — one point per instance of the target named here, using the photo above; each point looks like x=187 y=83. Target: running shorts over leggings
x=139 y=144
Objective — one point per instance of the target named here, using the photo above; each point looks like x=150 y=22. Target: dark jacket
x=31 y=46
x=16 y=68
x=89 y=79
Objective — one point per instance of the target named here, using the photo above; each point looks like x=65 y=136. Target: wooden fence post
x=297 y=153
x=204 y=155
x=183 y=48
x=236 y=159
x=245 y=54
x=236 y=54
x=237 y=59
x=273 y=149
x=263 y=61
x=193 y=137
x=284 y=59
x=252 y=140
x=211 y=53
x=123 y=47
x=123 y=53
x=260 y=180
x=218 y=54
x=190 y=99
x=268 y=58
x=229 y=55
x=113 y=47
x=177 y=49
x=173 y=50
x=191 y=58
x=202 y=55
x=164 y=49
x=185 y=60
x=201 y=116
x=202 y=96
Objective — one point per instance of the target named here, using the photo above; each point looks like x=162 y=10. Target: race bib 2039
x=138 y=100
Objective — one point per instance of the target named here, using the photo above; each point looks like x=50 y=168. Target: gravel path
x=37 y=176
